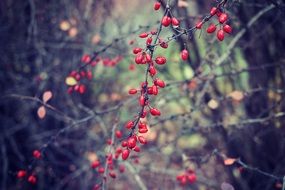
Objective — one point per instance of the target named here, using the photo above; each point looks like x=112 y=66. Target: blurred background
x=227 y=99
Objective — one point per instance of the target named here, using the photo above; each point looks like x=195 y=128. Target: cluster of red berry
x=111 y=169
x=144 y=56
x=137 y=127
x=78 y=76
x=21 y=174
x=222 y=20
x=188 y=177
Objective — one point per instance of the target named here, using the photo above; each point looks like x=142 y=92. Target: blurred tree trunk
x=263 y=44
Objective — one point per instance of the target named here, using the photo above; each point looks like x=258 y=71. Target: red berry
x=184 y=55
x=148 y=58
x=148 y=41
x=179 y=177
x=156 y=6
x=163 y=44
x=77 y=77
x=139 y=59
x=152 y=70
x=76 y=87
x=143 y=35
x=143 y=130
x=166 y=20
x=132 y=67
x=89 y=75
x=154 y=112
x=125 y=154
x=118 y=150
x=159 y=83
x=142 y=100
x=86 y=58
x=223 y=18
x=32 y=179
x=221 y=35
x=136 y=161
x=143 y=85
x=183 y=180
x=82 y=88
x=112 y=174
x=21 y=174
x=119 y=134
x=160 y=60
x=109 y=141
x=73 y=73
x=213 y=11
x=129 y=125
x=137 y=50
x=143 y=114
x=154 y=90
x=141 y=125
x=122 y=168
x=37 y=154
x=133 y=91
x=137 y=149
x=83 y=74
x=149 y=90
x=218 y=13
x=228 y=29
x=153 y=32
x=124 y=143
x=211 y=28
x=199 y=25
x=192 y=178
x=175 y=21
x=95 y=164
x=101 y=170
x=131 y=142
x=142 y=140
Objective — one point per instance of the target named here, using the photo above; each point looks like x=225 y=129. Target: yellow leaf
x=229 y=161
x=213 y=104
x=42 y=112
x=64 y=25
x=70 y=81
x=47 y=96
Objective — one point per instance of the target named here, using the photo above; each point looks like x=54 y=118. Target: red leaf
x=47 y=96
x=42 y=112
x=229 y=161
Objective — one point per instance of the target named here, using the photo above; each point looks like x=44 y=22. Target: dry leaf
x=192 y=85
x=182 y=4
x=73 y=32
x=213 y=104
x=236 y=95
x=96 y=39
x=47 y=96
x=70 y=81
x=227 y=186
x=42 y=112
x=91 y=156
x=229 y=161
